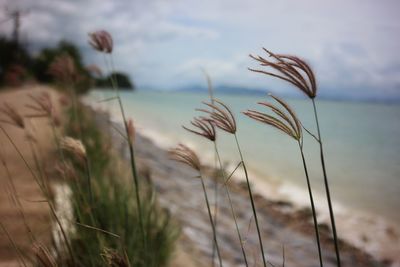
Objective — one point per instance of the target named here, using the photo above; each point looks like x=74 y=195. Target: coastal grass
x=298 y=73
x=110 y=220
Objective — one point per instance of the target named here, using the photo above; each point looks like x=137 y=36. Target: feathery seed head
x=114 y=258
x=101 y=41
x=94 y=69
x=205 y=128
x=284 y=120
x=185 y=155
x=131 y=131
x=14 y=118
x=291 y=69
x=221 y=116
x=74 y=146
x=63 y=69
x=41 y=104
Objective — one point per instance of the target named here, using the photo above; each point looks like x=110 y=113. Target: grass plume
x=286 y=121
x=187 y=156
x=298 y=72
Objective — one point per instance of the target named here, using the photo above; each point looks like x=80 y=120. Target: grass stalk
x=131 y=148
x=43 y=190
x=17 y=201
x=216 y=195
x=89 y=180
x=326 y=184
x=231 y=205
x=17 y=250
x=314 y=214
x=253 y=207
x=211 y=220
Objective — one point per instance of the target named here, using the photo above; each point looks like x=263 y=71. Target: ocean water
x=361 y=142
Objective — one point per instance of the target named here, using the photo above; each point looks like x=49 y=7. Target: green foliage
x=113 y=208
x=12 y=54
x=48 y=55
x=123 y=81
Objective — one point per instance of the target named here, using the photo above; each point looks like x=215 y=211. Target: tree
x=48 y=55
x=122 y=80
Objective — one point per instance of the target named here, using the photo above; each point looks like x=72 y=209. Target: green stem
x=252 y=202
x=89 y=180
x=131 y=150
x=328 y=194
x=137 y=191
x=314 y=214
x=216 y=197
x=231 y=205
x=211 y=220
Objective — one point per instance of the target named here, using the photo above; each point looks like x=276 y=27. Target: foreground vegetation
x=115 y=218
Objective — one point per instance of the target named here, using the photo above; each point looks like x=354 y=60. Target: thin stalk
x=253 y=206
x=89 y=180
x=21 y=258
x=231 y=206
x=328 y=194
x=137 y=191
x=211 y=220
x=314 y=214
x=17 y=202
x=46 y=192
x=211 y=95
x=215 y=211
x=131 y=149
x=43 y=191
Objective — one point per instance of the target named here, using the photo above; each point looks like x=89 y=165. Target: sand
x=37 y=213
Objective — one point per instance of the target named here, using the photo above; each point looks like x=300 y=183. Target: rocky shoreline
x=286 y=230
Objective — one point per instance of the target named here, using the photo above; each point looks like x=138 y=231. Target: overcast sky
x=353 y=45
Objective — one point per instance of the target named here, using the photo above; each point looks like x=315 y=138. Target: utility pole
x=16 y=15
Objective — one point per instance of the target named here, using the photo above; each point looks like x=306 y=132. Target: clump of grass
x=297 y=72
x=102 y=41
x=17 y=120
x=286 y=121
x=111 y=220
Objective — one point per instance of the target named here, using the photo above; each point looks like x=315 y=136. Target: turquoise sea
x=361 y=141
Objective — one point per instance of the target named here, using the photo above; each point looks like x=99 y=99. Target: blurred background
x=161 y=49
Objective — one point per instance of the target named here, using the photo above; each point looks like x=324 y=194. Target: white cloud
x=164 y=43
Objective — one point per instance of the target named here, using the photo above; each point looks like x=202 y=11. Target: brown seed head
x=291 y=69
x=42 y=105
x=131 y=131
x=13 y=116
x=285 y=119
x=94 y=69
x=185 y=155
x=114 y=258
x=205 y=128
x=221 y=115
x=74 y=146
x=43 y=256
x=63 y=69
x=101 y=41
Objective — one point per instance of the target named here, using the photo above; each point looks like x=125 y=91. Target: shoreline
x=358 y=228
x=283 y=210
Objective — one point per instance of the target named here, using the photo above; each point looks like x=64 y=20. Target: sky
x=352 y=45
